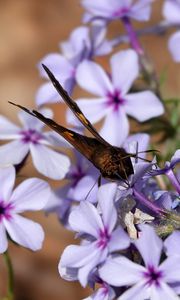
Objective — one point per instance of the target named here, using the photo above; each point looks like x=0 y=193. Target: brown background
x=30 y=29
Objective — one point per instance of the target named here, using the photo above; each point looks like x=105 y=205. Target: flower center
x=115 y=99
x=123 y=11
x=76 y=175
x=153 y=276
x=31 y=136
x=104 y=238
x=5 y=210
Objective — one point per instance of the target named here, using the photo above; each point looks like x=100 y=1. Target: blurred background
x=28 y=31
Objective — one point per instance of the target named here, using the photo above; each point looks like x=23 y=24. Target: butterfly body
x=112 y=162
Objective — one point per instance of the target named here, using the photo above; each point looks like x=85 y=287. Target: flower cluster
x=128 y=229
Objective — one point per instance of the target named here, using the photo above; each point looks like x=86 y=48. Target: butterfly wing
x=85 y=145
x=73 y=106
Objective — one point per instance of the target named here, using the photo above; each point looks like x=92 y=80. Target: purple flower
x=82 y=44
x=102 y=235
x=154 y=280
x=112 y=100
x=171 y=12
x=172 y=244
x=109 y=10
x=32 y=194
x=31 y=139
x=105 y=292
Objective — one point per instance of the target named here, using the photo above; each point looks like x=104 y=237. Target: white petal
x=13 y=152
x=116 y=127
x=93 y=109
x=121 y=271
x=30 y=122
x=141 y=10
x=138 y=292
x=86 y=219
x=49 y=162
x=31 y=194
x=55 y=139
x=92 y=77
x=7 y=180
x=171 y=11
x=125 y=69
x=174 y=46
x=143 y=106
x=25 y=232
x=106 y=196
x=3 y=238
x=8 y=130
x=148 y=234
x=119 y=240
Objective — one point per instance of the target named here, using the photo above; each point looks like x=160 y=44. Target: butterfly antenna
x=96 y=182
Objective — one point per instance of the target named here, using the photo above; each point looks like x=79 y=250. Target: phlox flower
x=102 y=235
x=112 y=100
x=84 y=43
x=154 y=280
x=109 y=10
x=32 y=194
x=171 y=12
x=105 y=292
x=30 y=139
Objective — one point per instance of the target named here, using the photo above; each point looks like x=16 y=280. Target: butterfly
x=114 y=163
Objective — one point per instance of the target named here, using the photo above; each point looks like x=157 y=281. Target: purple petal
x=141 y=10
x=171 y=11
x=55 y=139
x=174 y=46
x=141 y=140
x=172 y=244
x=103 y=293
x=138 y=292
x=86 y=219
x=163 y=292
x=25 y=232
x=13 y=152
x=125 y=69
x=30 y=122
x=142 y=244
x=116 y=127
x=47 y=94
x=92 y=77
x=7 y=179
x=8 y=130
x=84 y=190
x=31 y=194
x=93 y=109
x=49 y=162
x=119 y=240
x=121 y=271
x=3 y=239
x=69 y=274
x=171 y=269
x=143 y=106
x=58 y=65
x=106 y=196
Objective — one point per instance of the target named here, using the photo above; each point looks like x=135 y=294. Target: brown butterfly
x=113 y=162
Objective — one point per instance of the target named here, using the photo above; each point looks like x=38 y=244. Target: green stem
x=10 y=293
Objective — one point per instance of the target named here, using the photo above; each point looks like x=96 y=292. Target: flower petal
x=141 y=140
x=92 y=77
x=120 y=271
x=7 y=179
x=171 y=269
x=3 y=239
x=25 y=232
x=106 y=196
x=125 y=69
x=116 y=127
x=163 y=292
x=141 y=10
x=119 y=240
x=171 y=11
x=143 y=106
x=13 y=152
x=174 y=46
x=172 y=243
x=49 y=162
x=93 y=109
x=86 y=219
x=47 y=94
x=138 y=292
x=8 y=130
x=31 y=194
x=142 y=244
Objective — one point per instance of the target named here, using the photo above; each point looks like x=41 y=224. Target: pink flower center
x=31 y=136
x=5 y=210
x=76 y=175
x=123 y=11
x=153 y=276
x=115 y=99
x=104 y=238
